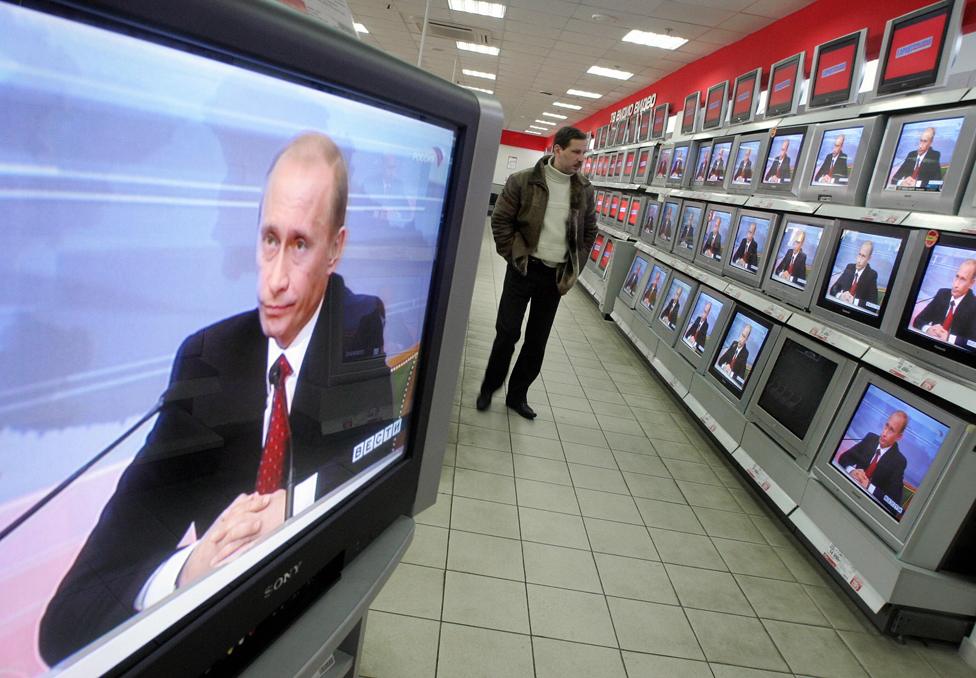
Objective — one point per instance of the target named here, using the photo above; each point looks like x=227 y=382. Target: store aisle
x=606 y=539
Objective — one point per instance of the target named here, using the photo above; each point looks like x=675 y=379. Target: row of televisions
x=824 y=410
x=916 y=54
x=920 y=161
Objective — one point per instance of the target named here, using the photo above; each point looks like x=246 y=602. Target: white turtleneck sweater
x=552 y=247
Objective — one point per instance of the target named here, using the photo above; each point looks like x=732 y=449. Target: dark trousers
x=539 y=287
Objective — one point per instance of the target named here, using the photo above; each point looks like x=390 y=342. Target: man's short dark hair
x=566 y=135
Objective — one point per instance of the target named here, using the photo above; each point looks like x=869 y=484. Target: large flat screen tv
x=840 y=161
x=835 y=74
x=202 y=188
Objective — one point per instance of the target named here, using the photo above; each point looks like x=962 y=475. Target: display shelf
x=713 y=281
x=782 y=204
x=668 y=259
x=625 y=327
x=883 y=216
x=759 y=302
x=961 y=394
x=907 y=102
x=769 y=486
x=828 y=335
x=708 y=421
x=646 y=249
x=661 y=191
x=679 y=388
x=615 y=232
x=941 y=222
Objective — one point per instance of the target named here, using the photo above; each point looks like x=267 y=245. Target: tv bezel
x=647 y=315
x=796 y=297
x=945 y=201
x=763 y=139
x=967 y=208
x=641 y=232
x=713 y=265
x=590 y=261
x=666 y=334
x=802 y=450
x=750 y=115
x=639 y=178
x=683 y=181
x=840 y=97
x=625 y=176
x=659 y=241
x=630 y=131
x=758 y=365
x=623 y=211
x=666 y=111
x=654 y=180
x=949 y=49
x=602 y=271
x=858 y=181
x=751 y=279
x=694 y=122
x=682 y=252
x=643 y=136
x=698 y=146
x=701 y=362
x=621 y=294
x=720 y=183
x=723 y=89
x=640 y=201
x=784 y=109
x=598 y=197
x=792 y=187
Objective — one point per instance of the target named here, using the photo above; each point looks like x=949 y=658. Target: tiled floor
x=607 y=538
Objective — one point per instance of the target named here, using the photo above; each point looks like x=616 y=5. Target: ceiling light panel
x=610 y=73
x=654 y=39
x=581 y=93
x=545 y=122
x=565 y=105
x=360 y=28
x=478 y=74
x=478 y=89
x=492 y=9
x=480 y=49
x=547 y=114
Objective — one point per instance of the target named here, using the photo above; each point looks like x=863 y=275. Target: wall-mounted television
x=636 y=279
x=158 y=150
x=648 y=224
x=633 y=221
x=644 y=126
x=741 y=354
x=840 y=161
x=678 y=171
x=689 y=227
x=606 y=257
x=918 y=48
x=785 y=154
x=925 y=160
x=674 y=306
x=745 y=97
x=783 y=93
x=713 y=241
x=748 y=251
x=667 y=224
x=835 y=73
x=659 y=124
x=716 y=100
x=623 y=211
x=689 y=114
x=706 y=319
x=662 y=165
x=798 y=255
x=598 y=202
x=745 y=168
x=630 y=135
x=614 y=206
x=628 y=171
x=653 y=292
x=702 y=152
x=643 y=166
x=719 y=162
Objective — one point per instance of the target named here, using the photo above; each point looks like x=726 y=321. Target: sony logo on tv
x=283 y=579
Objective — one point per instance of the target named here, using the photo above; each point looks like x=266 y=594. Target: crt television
x=716 y=101
x=918 y=48
x=706 y=319
x=840 y=161
x=741 y=354
x=783 y=94
x=667 y=224
x=644 y=126
x=673 y=306
x=701 y=162
x=748 y=250
x=649 y=219
x=689 y=114
x=678 y=172
x=606 y=257
x=745 y=97
x=659 y=123
x=662 y=166
x=653 y=291
x=630 y=160
x=688 y=228
x=634 y=213
x=713 y=241
x=151 y=222
x=745 y=168
x=835 y=73
x=798 y=255
x=924 y=161
x=719 y=162
x=643 y=166
x=781 y=167
x=635 y=280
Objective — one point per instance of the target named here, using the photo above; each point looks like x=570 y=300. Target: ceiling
x=547 y=45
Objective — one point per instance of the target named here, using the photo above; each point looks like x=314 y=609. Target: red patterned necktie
x=790 y=267
x=918 y=164
x=874 y=464
x=271 y=471
x=947 y=323
x=854 y=285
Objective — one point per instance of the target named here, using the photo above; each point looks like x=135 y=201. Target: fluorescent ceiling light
x=562 y=105
x=480 y=49
x=539 y=127
x=492 y=9
x=479 y=89
x=545 y=122
x=478 y=74
x=654 y=39
x=360 y=28
x=610 y=73
x=532 y=131
x=554 y=115
x=581 y=93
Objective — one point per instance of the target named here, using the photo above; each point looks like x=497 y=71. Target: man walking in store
x=544 y=225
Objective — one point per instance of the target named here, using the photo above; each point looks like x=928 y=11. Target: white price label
x=913 y=374
x=821 y=332
x=839 y=562
x=757 y=474
x=878 y=215
x=765 y=203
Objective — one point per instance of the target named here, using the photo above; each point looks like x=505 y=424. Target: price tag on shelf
x=760 y=476
x=828 y=335
x=882 y=216
x=913 y=374
x=845 y=569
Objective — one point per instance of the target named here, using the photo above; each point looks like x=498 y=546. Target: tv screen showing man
x=744 y=159
x=703 y=319
x=752 y=234
x=781 y=164
x=743 y=341
x=634 y=275
x=719 y=162
x=676 y=295
x=653 y=287
x=945 y=308
x=923 y=155
x=717 y=225
x=704 y=161
x=887 y=449
x=650 y=218
x=797 y=251
x=689 y=222
x=862 y=270
x=663 y=164
x=668 y=219
x=680 y=158
x=837 y=157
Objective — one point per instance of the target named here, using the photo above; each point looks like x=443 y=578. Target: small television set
x=601 y=166
x=689 y=227
x=643 y=165
x=673 y=307
x=798 y=392
x=653 y=292
x=659 y=124
x=630 y=134
x=689 y=114
x=798 y=255
x=748 y=251
x=714 y=239
x=611 y=166
x=623 y=211
x=616 y=167
x=633 y=222
x=607 y=201
x=835 y=73
x=783 y=94
x=741 y=354
x=613 y=133
x=667 y=224
x=716 y=101
x=648 y=223
x=745 y=168
x=887 y=457
x=785 y=153
x=601 y=138
x=628 y=171
x=606 y=257
x=918 y=48
x=862 y=272
x=598 y=200
x=702 y=162
x=719 y=162
x=678 y=172
x=925 y=160
x=745 y=97
x=840 y=160
x=939 y=315
x=587 y=170
x=597 y=249
x=614 y=206
x=662 y=166
x=707 y=319
x=635 y=280
x=644 y=126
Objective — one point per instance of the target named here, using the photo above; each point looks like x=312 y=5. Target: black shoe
x=522 y=409
x=483 y=402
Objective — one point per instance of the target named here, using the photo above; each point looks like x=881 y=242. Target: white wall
x=525 y=158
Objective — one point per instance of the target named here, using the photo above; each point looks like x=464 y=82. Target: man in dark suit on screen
x=743 y=170
x=877 y=465
x=697 y=331
x=921 y=165
x=670 y=312
x=666 y=226
x=735 y=359
x=686 y=236
x=273 y=409
x=781 y=170
x=703 y=165
x=717 y=172
x=747 y=253
x=793 y=265
x=858 y=284
x=834 y=166
x=950 y=316
x=650 y=292
x=712 y=245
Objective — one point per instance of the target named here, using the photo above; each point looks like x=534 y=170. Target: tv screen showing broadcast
x=690 y=224
x=634 y=214
x=679 y=164
x=628 y=170
x=599 y=201
x=606 y=256
x=739 y=350
x=689 y=115
x=783 y=159
x=660 y=121
x=614 y=206
x=652 y=290
x=667 y=224
x=624 y=210
x=744 y=96
x=649 y=221
x=837 y=156
x=862 y=268
x=923 y=154
x=941 y=314
x=796 y=252
x=634 y=275
x=702 y=162
x=643 y=166
x=189 y=266
x=597 y=247
x=796 y=386
x=702 y=322
x=887 y=449
x=663 y=165
x=644 y=127
x=678 y=295
x=743 y=167
x=784 y=86
x=836 y=71
x=715 y=102
x=715 y=234
x=917 y=48
x=750 y=245
x=719 y=161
